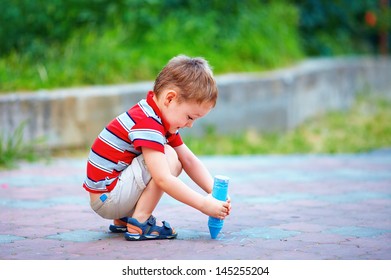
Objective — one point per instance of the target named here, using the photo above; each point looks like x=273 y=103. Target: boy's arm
x=173 y=186
x=193 y=167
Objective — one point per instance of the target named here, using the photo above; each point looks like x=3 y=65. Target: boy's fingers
x=227 y=208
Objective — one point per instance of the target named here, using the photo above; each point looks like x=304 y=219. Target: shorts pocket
x=98 y=203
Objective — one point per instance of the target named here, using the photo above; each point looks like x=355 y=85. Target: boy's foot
x=148 y=230
x=119 y=225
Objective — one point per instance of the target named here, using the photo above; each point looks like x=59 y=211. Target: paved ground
x=284 y=207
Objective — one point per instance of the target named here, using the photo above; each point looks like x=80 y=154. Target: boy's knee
x=173 y=161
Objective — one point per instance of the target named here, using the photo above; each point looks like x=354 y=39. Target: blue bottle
x=220 y=192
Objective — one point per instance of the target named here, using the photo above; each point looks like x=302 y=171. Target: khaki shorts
x=122 y=200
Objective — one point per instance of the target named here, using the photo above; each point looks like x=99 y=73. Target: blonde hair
x=191 y=77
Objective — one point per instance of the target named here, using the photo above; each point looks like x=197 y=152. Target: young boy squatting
x=140 y=154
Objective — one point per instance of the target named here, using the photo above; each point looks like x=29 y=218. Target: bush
x=337 y=27
x=31 y=25
x=130 y=40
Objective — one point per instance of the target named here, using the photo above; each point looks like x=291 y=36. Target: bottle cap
x=222 y=178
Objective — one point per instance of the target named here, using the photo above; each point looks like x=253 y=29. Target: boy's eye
x=189 y=118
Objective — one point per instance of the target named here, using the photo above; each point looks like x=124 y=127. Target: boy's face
x=180 y=115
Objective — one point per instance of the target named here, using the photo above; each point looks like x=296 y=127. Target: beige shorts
x=122 y=200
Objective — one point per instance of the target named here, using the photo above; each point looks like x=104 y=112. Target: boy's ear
x=170 y=96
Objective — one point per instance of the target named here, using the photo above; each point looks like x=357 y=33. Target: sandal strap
x=151 y=221
x=149 y=226
x=164 y=230
x=166 y=225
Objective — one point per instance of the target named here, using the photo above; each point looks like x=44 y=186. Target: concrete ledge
x=270 y=101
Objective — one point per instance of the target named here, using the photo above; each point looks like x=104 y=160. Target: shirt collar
x=154 y=106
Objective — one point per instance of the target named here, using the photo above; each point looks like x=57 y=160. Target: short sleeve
x=174 y=140
x=148 y=133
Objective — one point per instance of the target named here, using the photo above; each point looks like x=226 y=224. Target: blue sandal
x=148 y=230
x=119 y=225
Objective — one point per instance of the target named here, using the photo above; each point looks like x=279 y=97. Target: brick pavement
x=297 y=207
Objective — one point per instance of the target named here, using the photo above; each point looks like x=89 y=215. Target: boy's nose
x=189 y=124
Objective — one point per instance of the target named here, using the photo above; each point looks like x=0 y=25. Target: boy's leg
x=152 y=193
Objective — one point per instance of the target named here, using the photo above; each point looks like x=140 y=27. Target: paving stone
x=284 y=207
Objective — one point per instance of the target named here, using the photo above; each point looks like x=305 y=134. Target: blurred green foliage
x=341 y=26
x=62 y=43
x=32 y=25
x=13 y=148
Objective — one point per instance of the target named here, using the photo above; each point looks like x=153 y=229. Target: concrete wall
x=280 y=100
x=271 y=101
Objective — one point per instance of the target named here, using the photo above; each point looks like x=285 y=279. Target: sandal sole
x=137 y=237
x=117 y=229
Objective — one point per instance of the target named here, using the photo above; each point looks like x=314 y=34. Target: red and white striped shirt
x=121 y=141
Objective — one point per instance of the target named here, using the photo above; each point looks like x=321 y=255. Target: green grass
x=366 y=126
x=254 y=39
x=13 y=148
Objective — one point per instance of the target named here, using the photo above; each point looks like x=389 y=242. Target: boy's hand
x=229 y=206
x=216 y=208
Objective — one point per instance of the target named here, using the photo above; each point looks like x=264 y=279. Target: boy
x=140 y=154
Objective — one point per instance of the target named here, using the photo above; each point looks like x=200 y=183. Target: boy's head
x=191 y=78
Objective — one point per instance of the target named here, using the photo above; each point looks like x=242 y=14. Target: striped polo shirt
x=121 y=141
